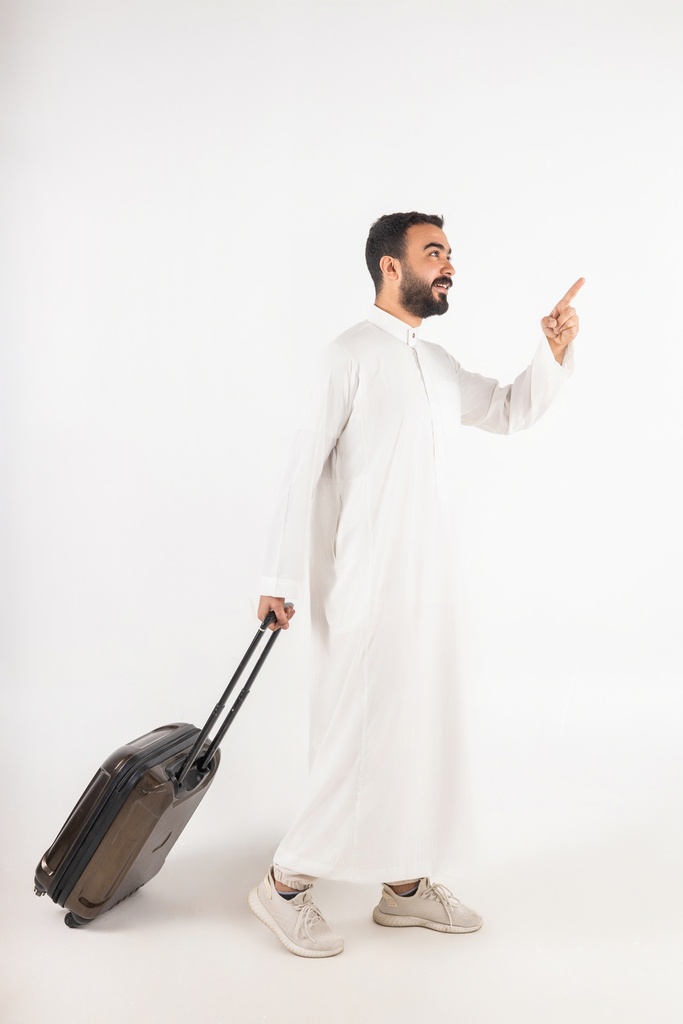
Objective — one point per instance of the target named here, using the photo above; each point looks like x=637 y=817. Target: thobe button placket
x=412 y=340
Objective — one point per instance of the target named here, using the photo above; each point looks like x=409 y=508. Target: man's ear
x=390 y=268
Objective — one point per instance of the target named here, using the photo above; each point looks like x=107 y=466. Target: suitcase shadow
x=193 y=885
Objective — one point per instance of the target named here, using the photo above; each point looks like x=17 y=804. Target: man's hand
x=562 y=325
x=275 y=604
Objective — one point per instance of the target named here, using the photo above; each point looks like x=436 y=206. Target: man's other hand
x=562 y=325
x=275 y=604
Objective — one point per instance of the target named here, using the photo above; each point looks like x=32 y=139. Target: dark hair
x=388 y=238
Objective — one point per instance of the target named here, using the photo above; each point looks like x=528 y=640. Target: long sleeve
x=327 y=409
x=505 y=409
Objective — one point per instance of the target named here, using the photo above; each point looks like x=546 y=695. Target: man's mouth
x=441 y=285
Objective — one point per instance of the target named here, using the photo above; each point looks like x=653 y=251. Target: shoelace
x=445 y=897
x=309 y=915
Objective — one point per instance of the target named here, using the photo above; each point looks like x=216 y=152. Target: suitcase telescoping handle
x=205 y=760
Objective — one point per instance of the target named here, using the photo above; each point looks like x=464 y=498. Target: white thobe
x=368 y=505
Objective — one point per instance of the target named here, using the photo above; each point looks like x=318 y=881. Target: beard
x=416 y=296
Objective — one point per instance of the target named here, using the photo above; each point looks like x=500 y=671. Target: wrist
x=557 y=350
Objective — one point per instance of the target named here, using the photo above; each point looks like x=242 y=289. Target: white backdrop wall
x=187 y=188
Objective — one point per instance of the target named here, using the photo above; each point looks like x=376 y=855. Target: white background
x=186 y=193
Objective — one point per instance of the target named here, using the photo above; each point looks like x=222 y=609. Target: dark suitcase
x=121 y=830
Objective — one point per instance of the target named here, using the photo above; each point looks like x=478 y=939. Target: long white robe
x=370 y=495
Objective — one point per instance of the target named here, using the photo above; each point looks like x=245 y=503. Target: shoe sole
x=269 y=921
x=398 y=921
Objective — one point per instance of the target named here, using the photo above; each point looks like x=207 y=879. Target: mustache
x=442 y=280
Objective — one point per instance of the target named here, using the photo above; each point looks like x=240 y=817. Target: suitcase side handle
x=203 y=764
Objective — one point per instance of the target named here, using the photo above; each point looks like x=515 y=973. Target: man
x=370 y=496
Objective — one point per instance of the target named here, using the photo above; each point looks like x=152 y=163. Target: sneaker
x=432 y=906
x=298 y=923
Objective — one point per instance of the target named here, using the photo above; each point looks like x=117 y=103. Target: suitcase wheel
x=72 y=921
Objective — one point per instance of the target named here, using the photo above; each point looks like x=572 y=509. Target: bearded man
x=368 y=502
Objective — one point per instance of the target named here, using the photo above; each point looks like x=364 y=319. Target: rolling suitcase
x=119 y=833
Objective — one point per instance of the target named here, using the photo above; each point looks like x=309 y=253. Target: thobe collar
x=397 y=328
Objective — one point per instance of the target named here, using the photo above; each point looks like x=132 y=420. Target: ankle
x=405 y=888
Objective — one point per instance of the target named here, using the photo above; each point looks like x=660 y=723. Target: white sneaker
x=432 y=906
x=298 y=923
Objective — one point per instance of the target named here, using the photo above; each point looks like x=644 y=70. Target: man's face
x=426 y=271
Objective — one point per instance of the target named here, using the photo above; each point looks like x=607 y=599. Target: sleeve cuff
x=566 y=367
x=280 y=586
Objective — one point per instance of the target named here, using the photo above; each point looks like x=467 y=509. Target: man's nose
x=448 y=268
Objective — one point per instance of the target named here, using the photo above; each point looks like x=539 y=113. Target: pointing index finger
x=566 y=299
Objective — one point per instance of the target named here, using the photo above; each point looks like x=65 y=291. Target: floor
x=587 y=929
